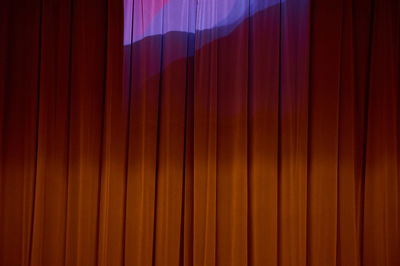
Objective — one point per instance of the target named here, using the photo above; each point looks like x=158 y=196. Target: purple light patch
x=157 y=17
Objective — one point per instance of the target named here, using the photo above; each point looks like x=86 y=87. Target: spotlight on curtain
x=200 y=132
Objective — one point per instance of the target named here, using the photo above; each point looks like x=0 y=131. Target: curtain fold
x=184 y=132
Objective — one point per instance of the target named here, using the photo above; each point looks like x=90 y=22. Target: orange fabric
x=278 y=144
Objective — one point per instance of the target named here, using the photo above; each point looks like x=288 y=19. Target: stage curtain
x=271 y=139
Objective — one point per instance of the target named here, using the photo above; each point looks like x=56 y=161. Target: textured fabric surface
x=265 y=133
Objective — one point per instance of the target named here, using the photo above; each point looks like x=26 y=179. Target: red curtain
x=276 y=143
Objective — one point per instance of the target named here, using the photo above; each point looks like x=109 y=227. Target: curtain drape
x=200 y=132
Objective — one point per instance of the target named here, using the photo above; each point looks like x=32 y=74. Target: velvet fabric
x=268 y=137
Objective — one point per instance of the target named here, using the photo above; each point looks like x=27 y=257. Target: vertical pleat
x=115 y=138
x=294 y=128
x=19 y=129
x=48 y=240
x=4 y=29
x=362 y=33
x=381 y=202
x=231 y=185
x=186 y=244
x=348 y=229
x=263 y=97
x=326 y=36
x=205 y=140
x=170 y=151
x=88 y=59
x=348 y=235
x=205 y=145
x=143 y=142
